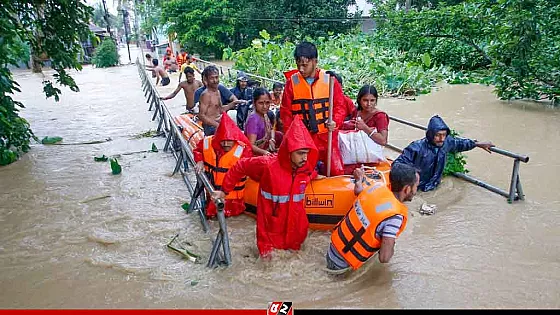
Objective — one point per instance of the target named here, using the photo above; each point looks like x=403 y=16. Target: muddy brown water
x=75 y=236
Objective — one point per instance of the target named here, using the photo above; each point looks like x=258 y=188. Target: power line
x=299 y=19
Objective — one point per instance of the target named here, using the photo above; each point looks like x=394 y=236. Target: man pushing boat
x=281 y=218
x=216 y=155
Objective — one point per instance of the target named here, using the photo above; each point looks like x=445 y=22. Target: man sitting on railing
x=429 y=154
x=216 y=155
x=281 y=219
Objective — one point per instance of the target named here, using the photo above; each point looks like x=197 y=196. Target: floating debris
x=183 y=251
x=102 y=158
x=96 y=198
x=427 y=209
x=51 y=140
x=147 y=134
x=115 y=167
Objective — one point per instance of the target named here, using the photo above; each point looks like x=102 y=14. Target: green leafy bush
x=360 y=59
x=455 y=161
x=106 y=54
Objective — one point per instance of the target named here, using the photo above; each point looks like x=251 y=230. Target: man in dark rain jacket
x=429 y=154
x=244 y=93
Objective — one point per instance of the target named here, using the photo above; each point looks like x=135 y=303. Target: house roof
x=96 y=29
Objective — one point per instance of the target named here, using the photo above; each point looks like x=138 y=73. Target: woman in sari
x=371 y=120
x=258 y=129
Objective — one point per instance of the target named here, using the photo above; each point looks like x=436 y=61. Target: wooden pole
x=329 y=144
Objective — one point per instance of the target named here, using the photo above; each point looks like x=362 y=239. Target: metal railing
x=181 y=150
x=515 y=189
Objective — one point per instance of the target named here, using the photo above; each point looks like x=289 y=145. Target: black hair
x=277 y=85
x=402 y=175
x=209 y=70
x=188 y=70
x=253 y=83
x=155 y=61
x=306 y=50
x=365 y=90
x=258 y=92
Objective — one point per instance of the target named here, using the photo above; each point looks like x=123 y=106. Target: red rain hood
x=228 y=130
x=297 y=137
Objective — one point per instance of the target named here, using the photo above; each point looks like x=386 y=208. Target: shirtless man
x=189 y=87
x=150 y=65
x=160 y=73
x=210 y=103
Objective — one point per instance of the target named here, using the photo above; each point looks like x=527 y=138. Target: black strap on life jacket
x=215 y=168
x=356 y=238
x=309 y=115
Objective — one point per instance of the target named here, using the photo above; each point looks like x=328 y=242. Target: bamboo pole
x=329 y=143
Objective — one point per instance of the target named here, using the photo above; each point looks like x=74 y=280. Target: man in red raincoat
x=216 y=155
x=306 y=94
x=281 y=219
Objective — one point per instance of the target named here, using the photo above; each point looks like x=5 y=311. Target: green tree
x=208 y=26
x=106 y=54
x=150 y=11
x=98 y=17
x=516 y=42
x=53 y=29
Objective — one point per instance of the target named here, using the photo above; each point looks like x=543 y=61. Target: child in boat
x=216 y=155
x=276 y=101
x=281 y=218
x=258 y=129
x=375 y=221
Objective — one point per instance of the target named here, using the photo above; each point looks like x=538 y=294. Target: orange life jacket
x=218 y=169
x=311 y=103
x=180 y=60
x=354 y=237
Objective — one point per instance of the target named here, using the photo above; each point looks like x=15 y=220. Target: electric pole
x=107 y=20
x=126 y=25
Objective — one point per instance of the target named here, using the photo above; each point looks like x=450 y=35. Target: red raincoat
x=227 y=130
x=320 y=140
x=281 y=218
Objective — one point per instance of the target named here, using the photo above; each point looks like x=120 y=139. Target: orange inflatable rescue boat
x=326 y=200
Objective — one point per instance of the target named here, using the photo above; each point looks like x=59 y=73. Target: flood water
x=75 y=236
